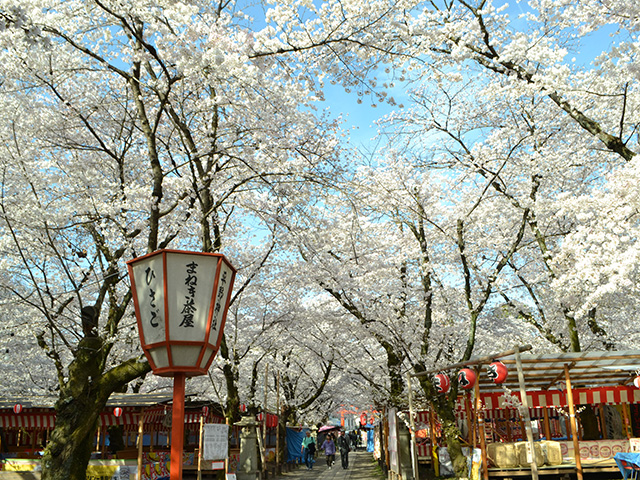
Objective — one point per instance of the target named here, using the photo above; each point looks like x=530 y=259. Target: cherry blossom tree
x=132 y=127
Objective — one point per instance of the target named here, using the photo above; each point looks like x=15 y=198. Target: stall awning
x=613 y=395
x=38 y=413
x=30 y=420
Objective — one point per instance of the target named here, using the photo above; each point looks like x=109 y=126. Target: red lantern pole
x=177 y=426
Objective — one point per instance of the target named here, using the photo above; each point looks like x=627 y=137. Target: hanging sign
x=215 y=441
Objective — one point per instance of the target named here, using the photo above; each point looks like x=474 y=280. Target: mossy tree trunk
x=82 y=397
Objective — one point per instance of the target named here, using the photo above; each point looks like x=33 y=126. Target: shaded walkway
x=362 y=466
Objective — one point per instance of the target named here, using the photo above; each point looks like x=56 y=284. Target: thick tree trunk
x=69 y=449
x=444 y=407
x=81 y=400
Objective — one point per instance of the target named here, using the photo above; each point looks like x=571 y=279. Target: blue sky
x=360 y=118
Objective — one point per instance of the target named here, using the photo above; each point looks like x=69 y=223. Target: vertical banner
x=394 y=465
x=216 y=441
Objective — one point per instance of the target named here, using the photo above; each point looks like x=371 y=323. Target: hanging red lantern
x=260 y=417
x=117 y=412
x=497 y=372
x=442 y=383
x=363 y=419
x=466 y=378
x=243 y=407
x=272 y=420
x=17 y=408
x=205 y=411
x=636 y=382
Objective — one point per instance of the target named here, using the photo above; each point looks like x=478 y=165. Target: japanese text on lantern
x=189 y=307
x=150 y=275
x=221 y=290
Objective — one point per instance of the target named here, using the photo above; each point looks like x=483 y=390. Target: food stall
x=527 y=414
x=27 y=422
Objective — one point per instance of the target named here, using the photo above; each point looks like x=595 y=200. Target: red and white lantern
x=442 y=383
x=497 y=372
x=466 y=378
x=117 y=412
x=181 y=301
x=17 y=408
x=636 y=382
x=205 y=411
x=242 y=407
x=363 y=419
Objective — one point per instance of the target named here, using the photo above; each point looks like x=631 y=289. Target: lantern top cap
x=168 y=251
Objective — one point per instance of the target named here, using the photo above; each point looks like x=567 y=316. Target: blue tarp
x=294 y=445
x=370 y=445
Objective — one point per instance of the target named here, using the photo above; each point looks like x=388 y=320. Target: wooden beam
x=573 y=423
x=472 y=361
x=588 y=359
x=479 y=414
x=412 y=424
x=527 y=417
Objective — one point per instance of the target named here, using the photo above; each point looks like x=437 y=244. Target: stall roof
x=547 y=371
x=116 y=399
x=586 y=369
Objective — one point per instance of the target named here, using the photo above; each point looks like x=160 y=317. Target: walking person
x=343 y=446
x=308 y=450
x=329 y=448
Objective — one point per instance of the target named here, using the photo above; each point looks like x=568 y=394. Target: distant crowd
x=331 y=444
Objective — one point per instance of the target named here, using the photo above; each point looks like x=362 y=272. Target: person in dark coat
x=343 y=446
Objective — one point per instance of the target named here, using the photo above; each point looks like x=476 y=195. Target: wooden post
x=523 y=429
x=140 y=442
x=264 y=422
x=471 y=420
x=547 y=423
x=278 y=424
x=434 y=447
x=226 y=460
x=414 y=447
x=200 y=441
x=625 y=419
x=572 y=422
x=526 y=415
x=103 y=447
x=385 y=429
x=603 y=421
x=480 y=419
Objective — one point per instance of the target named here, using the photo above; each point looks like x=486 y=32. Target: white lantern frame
x=181 y=300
